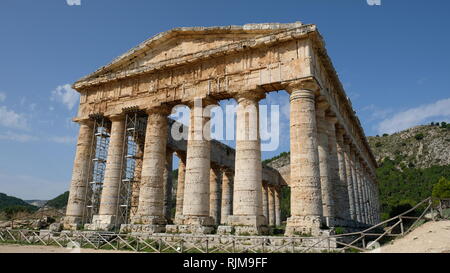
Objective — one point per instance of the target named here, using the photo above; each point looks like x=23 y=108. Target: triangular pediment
x=180 y=42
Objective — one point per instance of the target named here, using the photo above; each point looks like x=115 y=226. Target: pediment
x=181 y=42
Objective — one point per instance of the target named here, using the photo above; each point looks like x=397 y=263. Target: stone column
x=196 y=218
x=106 y=218
x=180 y=184
x=247 y=197
x=343 y=198
x=360 y=189
x=324 y=164
x=215 y=180
x=356 y=185
x=277 y=207
x=306 y=196
x=367 y=197
x=168 y=185
x=80 y=176
x=271 y=205
x=150 y=213
x=333 y=160
x=227 y=195
x=265 y=201
x=351 y=181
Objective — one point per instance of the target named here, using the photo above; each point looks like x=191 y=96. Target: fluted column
x=343 y=198
x=277 y=207
x=150 y=212
x=333 y=160
x=106 y=218
x=215 y=193
x=196 y=186
x=80 y=176
x=227 y=195
x=180 y=184
x=351 y=180
x=360 y=189
x=247 y=203
x=168 y=185
x=324 y=164
x=306 y=196
x=271 y=205
x=356 y=185
x=265 y=201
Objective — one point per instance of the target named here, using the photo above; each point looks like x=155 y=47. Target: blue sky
x=392 y=59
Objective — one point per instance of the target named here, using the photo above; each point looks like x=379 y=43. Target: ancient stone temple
x=122 y=175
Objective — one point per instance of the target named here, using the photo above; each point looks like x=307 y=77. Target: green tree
x=442 y=189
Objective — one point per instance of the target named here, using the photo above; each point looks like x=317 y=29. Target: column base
x=149 y=220
x=192 y=224
x=304 y=226
x=247 y=224
x=102 y=222
x=140 y=228
x=72 y=223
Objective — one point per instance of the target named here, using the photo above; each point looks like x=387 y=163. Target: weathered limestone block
x=151 y=197
x=306 y=195
x=106 y=218
x=80 y=177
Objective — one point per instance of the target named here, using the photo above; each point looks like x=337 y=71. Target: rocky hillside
x=418 y=147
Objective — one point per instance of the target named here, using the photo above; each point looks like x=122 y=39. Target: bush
x=419 y=136
x=385 y=135
x=378 y=144
x=442 y=189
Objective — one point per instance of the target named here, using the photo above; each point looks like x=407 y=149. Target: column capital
x=331 y=119
x=321 y=106
x=307 y=84
x=87 y=121
x=254 y=95
x=116 y=117
x=162 y=110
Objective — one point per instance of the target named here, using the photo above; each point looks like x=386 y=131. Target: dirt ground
x=431 y=237
x=49 y=249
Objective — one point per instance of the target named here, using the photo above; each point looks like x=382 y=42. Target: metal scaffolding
x=133 y=146
x=97 y=165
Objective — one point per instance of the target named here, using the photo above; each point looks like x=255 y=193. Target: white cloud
x=11 y=119
x=10 y=136
x=415 y=116
x=2 y=97
x=65 y=95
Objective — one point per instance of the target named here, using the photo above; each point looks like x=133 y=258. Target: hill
x=37 y=203
x=410 y=164
x=10 y=204
x=58 y=202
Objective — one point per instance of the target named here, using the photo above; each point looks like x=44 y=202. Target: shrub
x=442 y=189
x=385 y=135
x=378 y=144
x=419 y=136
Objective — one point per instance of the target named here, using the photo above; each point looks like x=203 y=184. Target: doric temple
x=122 y=175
